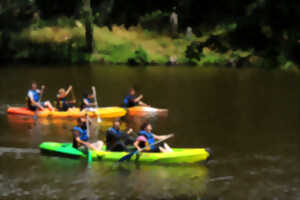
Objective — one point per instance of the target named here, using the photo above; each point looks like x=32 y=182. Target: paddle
x=90 y=160
x=39 y=101
x=73 y=96
x=128 y=156
x=96 y=102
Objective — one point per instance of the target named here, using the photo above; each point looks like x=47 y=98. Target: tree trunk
x=88 y=20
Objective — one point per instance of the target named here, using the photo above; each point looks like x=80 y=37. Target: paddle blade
x=90 y=160
x=127 y=157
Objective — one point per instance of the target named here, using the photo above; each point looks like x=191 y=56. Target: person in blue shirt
x=132 y=100
x=88 y=101
x=61 y=102
x=33 y=98
x=147 y=139
x=81 y=137
x=116 y=140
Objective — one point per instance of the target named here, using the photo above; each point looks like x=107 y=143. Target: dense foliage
x=231 y=32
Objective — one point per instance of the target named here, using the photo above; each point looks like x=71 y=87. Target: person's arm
x=137 y=99
x=42 y=89
x=129 y=131
x=85 y=143
x=87 y=103
x=161 y=137
x=68 y=90
x=136 y=144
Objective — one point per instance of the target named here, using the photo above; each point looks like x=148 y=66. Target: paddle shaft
x=128 y=156
x=90 y=160
x=96 y=102
x=160 y=141
x=39 y=101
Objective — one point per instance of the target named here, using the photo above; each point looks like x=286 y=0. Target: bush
x=140 y=57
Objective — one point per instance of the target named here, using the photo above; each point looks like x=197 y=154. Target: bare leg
x=49 y=105
x=167 y=147
x=98 y=145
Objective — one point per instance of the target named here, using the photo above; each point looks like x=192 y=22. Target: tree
x=88 y=21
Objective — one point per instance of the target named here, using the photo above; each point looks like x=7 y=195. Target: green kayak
x=179 y=155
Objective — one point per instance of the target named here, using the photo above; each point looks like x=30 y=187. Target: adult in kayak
x=33 y=98
x=132 y=100
x=116 y=140
x=81 y=136
x=146 y=139
x=61 y=103
x=88 y=102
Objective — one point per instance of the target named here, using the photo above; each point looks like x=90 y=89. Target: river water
x=249 y=118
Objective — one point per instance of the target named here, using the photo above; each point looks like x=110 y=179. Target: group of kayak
x=88 y=102
x=117 y=140
x=118 y=143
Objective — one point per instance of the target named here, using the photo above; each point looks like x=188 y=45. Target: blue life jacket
x=128 y=101
x=82 y=133
x=116 y=132
x=83 y=105
x=149 y=137
x=36 y=95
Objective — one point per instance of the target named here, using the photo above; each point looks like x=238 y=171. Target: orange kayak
x=104 y=112
x=145 y=110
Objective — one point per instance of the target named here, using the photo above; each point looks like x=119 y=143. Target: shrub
x=140 y=57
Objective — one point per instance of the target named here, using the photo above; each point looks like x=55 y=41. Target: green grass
x=114 y=46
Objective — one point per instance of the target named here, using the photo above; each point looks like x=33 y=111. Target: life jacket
x=82 y=133
x=113 y=137
x=60 y=102
x=149 y=137
x=128 y=101
x=82 y=106
x=116 y=132
x=36 y=97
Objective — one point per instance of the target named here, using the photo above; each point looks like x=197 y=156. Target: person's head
x=34 y=85
x=146 y=127
x=82 y=122
x=132 y=91
x=116 y=124
x=61 y=91
x=90 y=95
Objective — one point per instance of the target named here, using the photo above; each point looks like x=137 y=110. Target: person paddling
x=81 y=137
x=116 y=140
x=61 y=103
x=147 y=138
x=33 y=98
x=132 y=100
x=88 y=102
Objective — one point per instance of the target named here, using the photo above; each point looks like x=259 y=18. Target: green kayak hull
x=179 y=155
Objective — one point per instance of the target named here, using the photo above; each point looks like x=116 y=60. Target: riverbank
x=64 y=42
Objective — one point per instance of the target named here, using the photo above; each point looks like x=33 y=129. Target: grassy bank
x=118 y=45
x=63 y=41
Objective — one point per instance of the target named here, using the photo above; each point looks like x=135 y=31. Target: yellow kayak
x=104 y=112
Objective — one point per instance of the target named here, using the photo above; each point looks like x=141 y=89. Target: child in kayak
x=61 y=103
x=33 y=98
x=146 y=139
x=81 y=137
x=88 y=102
x=132 y=100
x=116 y=140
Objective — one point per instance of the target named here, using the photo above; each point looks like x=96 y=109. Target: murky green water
x=249 y=118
